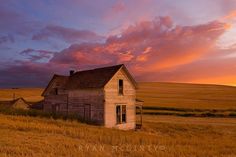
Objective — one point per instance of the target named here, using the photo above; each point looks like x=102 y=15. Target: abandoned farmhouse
x=105 y=95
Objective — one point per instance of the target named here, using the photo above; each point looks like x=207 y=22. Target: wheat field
x=193 y=96
x=29 y=94
x=162 y=136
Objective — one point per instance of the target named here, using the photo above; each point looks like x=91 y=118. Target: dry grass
x=161 y=136
x=29 y=94
x=195 y=96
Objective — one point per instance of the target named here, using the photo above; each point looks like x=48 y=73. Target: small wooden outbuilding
x=105 y=95
x=20 y=103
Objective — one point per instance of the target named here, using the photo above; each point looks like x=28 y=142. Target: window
x=123 y=114
x=120 y=114
x=56 y=91
x=121 y=87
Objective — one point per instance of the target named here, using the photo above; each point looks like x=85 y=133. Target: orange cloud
x=125 y=57
x=154 y=50
x=157 y=50
x=231 y=15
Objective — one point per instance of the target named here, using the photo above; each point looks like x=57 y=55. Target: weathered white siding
x=94 y=97
x=112 y=98
x=51 y=100
x=20 y=104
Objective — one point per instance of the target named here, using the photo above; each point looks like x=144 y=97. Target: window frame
x=121 y=116
x=56 y=91
x=120 y=90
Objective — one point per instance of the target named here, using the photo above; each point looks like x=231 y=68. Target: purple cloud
x=150 y=48
x=36 y=55
x=69 y=35
x=7 y=39
x=14 y=22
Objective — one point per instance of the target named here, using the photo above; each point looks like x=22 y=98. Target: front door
x=87 y=112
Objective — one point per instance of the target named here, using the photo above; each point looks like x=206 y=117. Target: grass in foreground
x=27 y=136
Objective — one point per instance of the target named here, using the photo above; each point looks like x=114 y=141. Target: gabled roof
x=59 y=78
x=20 y=103
x=95 y=78
x=12 y=102
x=18 y=99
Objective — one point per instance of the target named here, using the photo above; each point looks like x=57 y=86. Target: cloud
x=6 y=39
x=149 y=46
x=156 y=50
x=69 y=35
x=230 y=16
x=26 y=74
x=15 y=22
x=36 y=55
x=117 y=8
x=211 y=70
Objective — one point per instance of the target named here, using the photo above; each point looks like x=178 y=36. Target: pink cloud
x=156 y=50
x=149 y=46
x=118 y=7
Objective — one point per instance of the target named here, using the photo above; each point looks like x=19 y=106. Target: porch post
x=141 y=115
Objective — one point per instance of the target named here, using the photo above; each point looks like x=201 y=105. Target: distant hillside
x=182 y=95
x=174 y=95
x=29 y=94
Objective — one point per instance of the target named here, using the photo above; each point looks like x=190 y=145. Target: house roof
x=18 y=99
x=138 y=100
x=95 y=78
x=59 y=78
x=13 y=102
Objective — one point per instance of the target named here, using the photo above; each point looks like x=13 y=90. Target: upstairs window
x=120 y=114
x=121 y=87
x=56 y=91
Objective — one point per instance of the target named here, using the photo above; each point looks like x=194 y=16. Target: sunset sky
x=191 y=41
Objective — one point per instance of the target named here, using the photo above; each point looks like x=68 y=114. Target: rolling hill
x=194 y=96
x=170 y=95
x=29 y=94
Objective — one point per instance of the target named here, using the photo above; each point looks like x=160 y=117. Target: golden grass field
x=29 y=94
x=161 y=136
x=194 y=96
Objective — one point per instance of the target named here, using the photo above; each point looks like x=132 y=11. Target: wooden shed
x=20 y=103
x=105 y=95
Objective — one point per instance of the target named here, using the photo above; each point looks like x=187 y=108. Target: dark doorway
x=56 y=108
